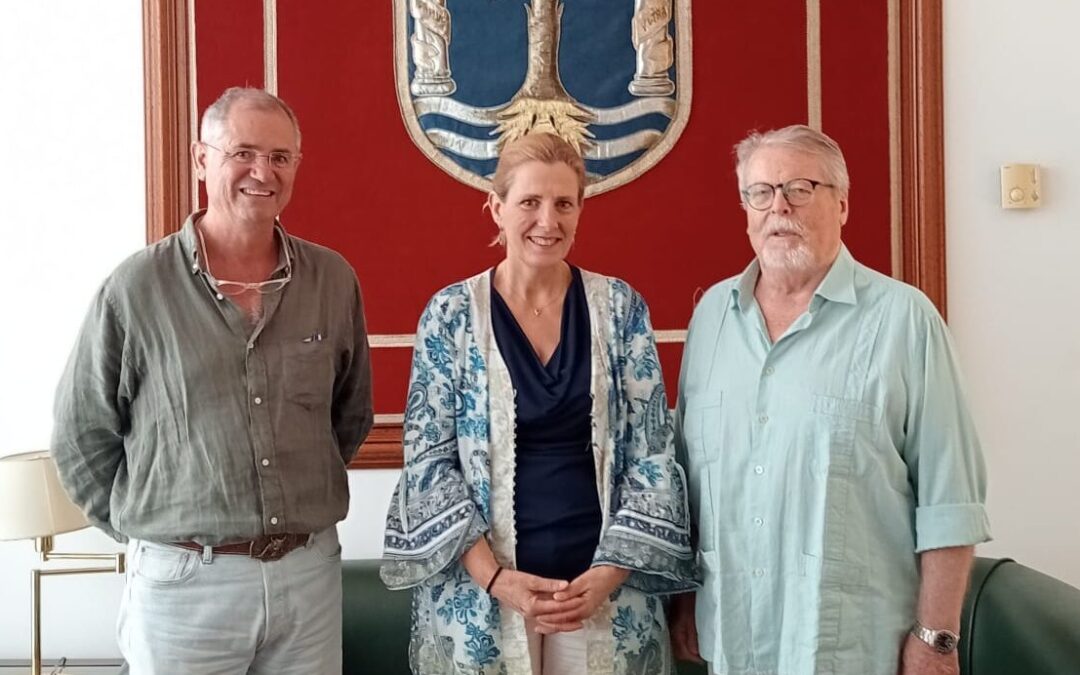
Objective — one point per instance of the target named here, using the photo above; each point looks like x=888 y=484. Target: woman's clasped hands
x=554 y=605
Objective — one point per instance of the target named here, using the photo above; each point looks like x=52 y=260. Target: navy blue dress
x=556 y=507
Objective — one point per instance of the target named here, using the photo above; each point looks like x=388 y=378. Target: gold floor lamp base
x=43 y=545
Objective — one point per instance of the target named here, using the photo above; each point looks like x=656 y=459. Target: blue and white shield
x=612 y=77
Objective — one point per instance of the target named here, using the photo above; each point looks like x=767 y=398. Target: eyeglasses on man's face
x=280 y=160
x=797 y=192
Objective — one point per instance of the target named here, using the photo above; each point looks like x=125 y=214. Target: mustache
x=782 y=225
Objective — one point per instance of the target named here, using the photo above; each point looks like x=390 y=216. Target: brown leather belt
x=266 y=548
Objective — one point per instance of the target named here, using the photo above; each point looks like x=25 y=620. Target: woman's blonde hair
x=534 y=147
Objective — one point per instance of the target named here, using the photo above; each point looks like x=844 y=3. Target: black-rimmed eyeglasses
x=797 y=192
x=276 y=160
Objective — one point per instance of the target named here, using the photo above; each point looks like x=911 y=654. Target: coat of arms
x=612 y=77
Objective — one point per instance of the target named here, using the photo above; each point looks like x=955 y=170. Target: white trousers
x=558 y=653
x=198 y=613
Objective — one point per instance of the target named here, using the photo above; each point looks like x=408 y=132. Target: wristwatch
x=942 y=641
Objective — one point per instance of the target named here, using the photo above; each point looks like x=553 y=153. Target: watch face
x=945 y=642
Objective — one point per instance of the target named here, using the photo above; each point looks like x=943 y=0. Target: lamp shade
x=32 y=501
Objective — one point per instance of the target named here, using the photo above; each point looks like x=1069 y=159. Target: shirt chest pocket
x=842 y=424
x=838 y=409
x=308 y=372
x=702 y=429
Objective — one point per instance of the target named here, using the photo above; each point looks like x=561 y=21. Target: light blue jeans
x=202 y=614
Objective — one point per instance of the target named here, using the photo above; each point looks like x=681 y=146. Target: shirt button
x=757 y=521
x=220 y=296
x=770 y=370
x=763 y=419
x=273 y=520
x=266 y=462
x=759 y=572
x=759 y=469
x=258 y=401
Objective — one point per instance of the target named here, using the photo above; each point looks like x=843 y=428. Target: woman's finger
x=541 y=607
x=542 y=585
x=577 y=588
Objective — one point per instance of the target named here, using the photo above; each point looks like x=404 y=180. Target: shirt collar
x=189 y=242
x=742 y=293
x=837 y=286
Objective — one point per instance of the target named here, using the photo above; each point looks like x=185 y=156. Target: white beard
x=786 y=255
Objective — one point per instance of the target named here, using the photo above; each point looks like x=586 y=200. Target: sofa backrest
x=1017 y=621
x=375 y=622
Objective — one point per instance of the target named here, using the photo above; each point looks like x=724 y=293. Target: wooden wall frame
x=922 y=172
x=167 y=103
x=922 y=149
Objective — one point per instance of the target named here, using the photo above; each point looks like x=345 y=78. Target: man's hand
x=683 y=627
x=527 y=594
x=919 y=658
x=580 y=600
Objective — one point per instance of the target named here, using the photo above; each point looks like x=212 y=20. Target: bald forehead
x=244 y=114
x=248 y=124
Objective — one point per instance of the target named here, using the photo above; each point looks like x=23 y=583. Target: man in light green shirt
x=835 y=475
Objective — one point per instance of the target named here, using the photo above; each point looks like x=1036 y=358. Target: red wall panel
x=855 y=112
x=409 y=228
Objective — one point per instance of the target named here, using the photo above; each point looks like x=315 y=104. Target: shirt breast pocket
x=838 y=409
x=842 y=425
x=308 y=369
x=701 y=428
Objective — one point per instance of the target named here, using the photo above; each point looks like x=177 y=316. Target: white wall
x=1014 y=276
x=72 y=195
x=72 y=206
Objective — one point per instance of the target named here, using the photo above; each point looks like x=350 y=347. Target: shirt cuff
x=948 y=525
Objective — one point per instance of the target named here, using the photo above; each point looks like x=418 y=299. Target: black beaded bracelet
x=493 y=578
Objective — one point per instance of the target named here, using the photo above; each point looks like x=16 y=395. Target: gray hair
x=800 y=138
x=213 y=119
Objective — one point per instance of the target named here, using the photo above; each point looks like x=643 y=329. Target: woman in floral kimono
x=540 y=512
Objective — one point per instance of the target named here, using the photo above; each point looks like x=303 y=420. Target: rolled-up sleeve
x=942 y=450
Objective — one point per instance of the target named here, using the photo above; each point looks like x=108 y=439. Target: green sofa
x=1016 y=621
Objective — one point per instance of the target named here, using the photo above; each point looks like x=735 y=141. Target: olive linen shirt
x=819 y=466
x=179 y=418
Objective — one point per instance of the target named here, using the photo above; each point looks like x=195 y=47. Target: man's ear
x=198 y=159
x=843 y=211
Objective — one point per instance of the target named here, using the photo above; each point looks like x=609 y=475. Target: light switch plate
x=1021 y=187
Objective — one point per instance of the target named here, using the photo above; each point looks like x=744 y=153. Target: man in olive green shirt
x=835 y=474
x=217 y=391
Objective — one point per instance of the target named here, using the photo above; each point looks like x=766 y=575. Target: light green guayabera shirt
x=819 y=465
x=179 y=419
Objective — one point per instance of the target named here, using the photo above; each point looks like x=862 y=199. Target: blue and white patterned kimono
x=458 y=485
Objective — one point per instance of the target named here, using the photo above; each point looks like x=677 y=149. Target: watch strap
x=941 y=641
